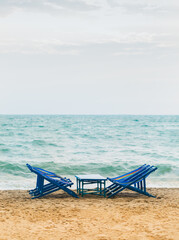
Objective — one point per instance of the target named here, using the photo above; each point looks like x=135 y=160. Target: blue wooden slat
x=136 y=175
x=135 y=178
x=129 y=172
x=131 y=177
x=45 y=189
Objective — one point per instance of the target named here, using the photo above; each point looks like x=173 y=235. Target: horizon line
x=84 y=114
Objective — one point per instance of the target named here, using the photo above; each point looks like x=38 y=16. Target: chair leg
x=140 y=191
x=144 y=181
x=139 y=187
x=50 y=188
x=40 y=183
x=46 y=188
x=45 y=193
x=115 y=190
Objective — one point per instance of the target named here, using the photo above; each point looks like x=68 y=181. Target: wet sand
x=128 y=216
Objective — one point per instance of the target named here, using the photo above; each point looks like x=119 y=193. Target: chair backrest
x=129 y=174
x=49 y=175
x=135 y=175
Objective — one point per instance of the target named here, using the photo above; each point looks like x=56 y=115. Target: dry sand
x=128 y=216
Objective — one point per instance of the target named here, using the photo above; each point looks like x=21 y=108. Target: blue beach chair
x=55 y=183
x=134 y=180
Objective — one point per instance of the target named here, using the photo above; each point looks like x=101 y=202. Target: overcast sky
x=89 y=57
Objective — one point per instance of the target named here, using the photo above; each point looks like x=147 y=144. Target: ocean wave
x=13 y=169
x=165 y=169
x=5 y=150
x=38 y=142
x=105 y=169
x=42 y=143
x=52 y=144
x=163 y=172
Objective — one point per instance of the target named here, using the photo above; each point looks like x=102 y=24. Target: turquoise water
x=70 y=145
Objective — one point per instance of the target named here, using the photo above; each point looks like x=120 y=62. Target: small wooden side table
x=96 y=179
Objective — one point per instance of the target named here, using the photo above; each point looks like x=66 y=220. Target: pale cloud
x=131 y=43
x=60 y=6
x=136 y=6
x=48 y=6
x=146 y=7
x=75 y=47
x=133 y=51
x=38 y=47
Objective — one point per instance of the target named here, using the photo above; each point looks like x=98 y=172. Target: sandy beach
x=59 y=216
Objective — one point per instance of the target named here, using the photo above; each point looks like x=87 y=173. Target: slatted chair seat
x=55 y=183
x=134 y=180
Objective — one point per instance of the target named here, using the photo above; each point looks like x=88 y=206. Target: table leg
x=82 y=188
x=79 y=187
x=104 y=188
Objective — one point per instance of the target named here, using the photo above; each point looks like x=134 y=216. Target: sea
x=69 y=145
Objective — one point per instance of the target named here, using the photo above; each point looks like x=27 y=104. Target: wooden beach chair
x=55 y=183
x=134 y=180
